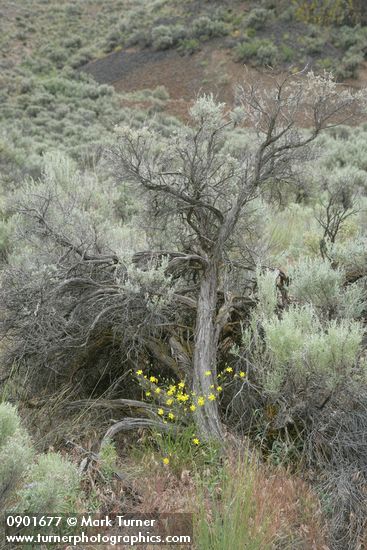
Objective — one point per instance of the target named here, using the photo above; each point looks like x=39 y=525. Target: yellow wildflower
x=181 y=385
x=229 y=369
x=169 y=401
x=211 y=397
x=148 y=393
x=182 y=397
x=153 y=379
x=196 y=441
x=160 y=412
x=158 y=390
x=208 y=372
x=192 y=408
x=166 y=460
x=171 y=416
x=219 y=389
x=139 y=372
x=242 y=374
x=201 y=401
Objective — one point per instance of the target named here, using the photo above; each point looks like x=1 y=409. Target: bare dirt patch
x=211 y=70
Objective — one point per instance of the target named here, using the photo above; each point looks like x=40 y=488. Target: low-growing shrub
x=351 y=256
x=15 y=458
x=162 y=37
x=313 y=45
x=53 y=486
x=188 y=46
x=257 y=18
x=9 y=422
x=204 y=28
x=349 y=65
x=108 y=459
x=15 y=452
x=260 y=52
x=286 y=53
x=267 y=54
x=315 y=282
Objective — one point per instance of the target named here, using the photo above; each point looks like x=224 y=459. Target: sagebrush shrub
x=329 y=352
x=15 y=458
x=257 y=18
x=15 y=452
x=261 y=52
x=53 y=486
x=351 y=255
x=9 y=422
x=267 y=295
x=315 y=282
x=162 y=37
x=203 y=27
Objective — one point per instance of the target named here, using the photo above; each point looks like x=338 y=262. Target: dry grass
x=278 y=509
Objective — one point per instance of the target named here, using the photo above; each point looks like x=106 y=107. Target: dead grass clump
x=241 y=502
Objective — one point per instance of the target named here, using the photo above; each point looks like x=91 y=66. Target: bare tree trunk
x=205 y=353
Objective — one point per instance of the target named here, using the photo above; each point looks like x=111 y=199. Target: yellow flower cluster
x=176 y=401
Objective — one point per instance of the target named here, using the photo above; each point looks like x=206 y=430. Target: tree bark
x=205 y=353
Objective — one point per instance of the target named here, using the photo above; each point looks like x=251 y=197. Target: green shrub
x=349 y=65
x=53 y=486
x=9 y=422
x=160 y=92
x=15 y=452
x=188 y=46
x=257 y=18
x=287 y=53
x=330 y=352
x=5 y=241
x=141 y=38
x=260 y=52
x=347 y=37
x=352 y=301
x=288 y=15
x=285 y=337
x=113 y=39
x=73 y=43
x=15 y=458
x=313 y=45
x=52 y=483
x=325 y=12
x=315 y=282
x=266 y=291
x=204 y=28
x=108 y=459
x=351 y=255
x=81 y=58
x=267 y=54
x=162 y=37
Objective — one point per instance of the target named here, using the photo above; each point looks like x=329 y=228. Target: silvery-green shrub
x=15 y=452
x=53 y=485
